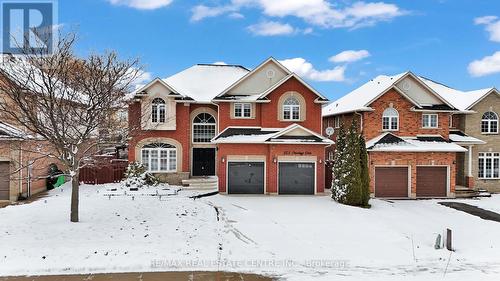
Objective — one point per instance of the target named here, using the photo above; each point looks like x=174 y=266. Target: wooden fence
x=103 y=172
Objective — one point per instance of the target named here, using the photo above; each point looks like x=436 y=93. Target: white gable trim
x=493 y=90
x=430 y=89
x=145 y=87
x=409 y=74
x=271 y=59
x=286 y=78
x=297 y=126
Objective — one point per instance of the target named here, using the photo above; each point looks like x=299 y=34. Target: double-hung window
x=429 y=120
x=489 y=165
x=242 y=110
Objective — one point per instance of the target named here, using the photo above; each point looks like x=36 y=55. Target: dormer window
x=390 y=119
x=158 y=109
x=489 y=123
x=291 y=109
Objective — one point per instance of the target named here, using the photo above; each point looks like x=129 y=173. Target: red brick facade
x=410 y=125
x=265 y=115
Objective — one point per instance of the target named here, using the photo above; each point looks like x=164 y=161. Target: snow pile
x=293 y=237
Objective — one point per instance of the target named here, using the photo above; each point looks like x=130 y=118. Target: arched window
x=158 y=111
x=489 y=123
x=203 y=127
x=390 y=119
x=291 y=109
x=159 y=157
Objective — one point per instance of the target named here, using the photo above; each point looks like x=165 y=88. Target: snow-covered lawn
x=295 y=238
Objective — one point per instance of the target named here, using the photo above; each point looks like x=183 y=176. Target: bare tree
x=66 y=100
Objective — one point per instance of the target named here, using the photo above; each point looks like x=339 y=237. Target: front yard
x=294 y=238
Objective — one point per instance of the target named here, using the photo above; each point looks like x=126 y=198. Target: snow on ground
x=488 y=203
x=291 y=237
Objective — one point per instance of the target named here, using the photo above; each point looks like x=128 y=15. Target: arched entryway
x=204 y=128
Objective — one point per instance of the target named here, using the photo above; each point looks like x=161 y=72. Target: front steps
x=464 y=192
x=201 y=183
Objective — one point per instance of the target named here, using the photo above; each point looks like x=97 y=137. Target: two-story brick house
x=259 y=131
x=476 y=128
x=406 y=125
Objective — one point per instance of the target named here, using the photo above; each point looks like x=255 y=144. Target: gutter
x=361 y=120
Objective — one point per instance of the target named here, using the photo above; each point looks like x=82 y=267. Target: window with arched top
x=158 y=110
x=489 y=123
x=203 y=127
x=159 y=157
x=291 y=109
x=390 y=119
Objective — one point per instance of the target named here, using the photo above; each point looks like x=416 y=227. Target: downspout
x=361 y=120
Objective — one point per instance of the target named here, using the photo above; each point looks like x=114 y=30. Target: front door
x=203 y=161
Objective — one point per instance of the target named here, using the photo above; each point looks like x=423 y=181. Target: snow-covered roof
x=359 y=99
x=459 y=99
x=203 y=82
x=461 y=138
x=410 y=144
x=269 y=135
x=8 y=131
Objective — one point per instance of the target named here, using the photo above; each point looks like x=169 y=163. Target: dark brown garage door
x=4 y=180
x=432 y=181
x=391 y=182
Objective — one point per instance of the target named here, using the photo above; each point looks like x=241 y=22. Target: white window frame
x=336 y=122
x=207 y=126
x=427 y=124
x=483 y=172
x=489 y=122
x=390 y=119
x=157 y=108
x=243 y=106
x=165 y=154
x=290 y=109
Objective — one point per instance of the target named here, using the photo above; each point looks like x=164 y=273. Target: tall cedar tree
x=353 y=188
x=365 y=177
x=338 y=167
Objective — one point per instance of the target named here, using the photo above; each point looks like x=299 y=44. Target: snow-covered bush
x=137 y=176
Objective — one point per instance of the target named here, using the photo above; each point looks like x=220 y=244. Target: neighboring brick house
x=259 y=131
x=406 y=125
x=475 y=127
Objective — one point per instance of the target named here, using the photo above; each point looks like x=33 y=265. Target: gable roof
x=269 y=135
x=289 y=75
x=270 y=59
x=361 y=98
x=461 y=100
x=286 y=78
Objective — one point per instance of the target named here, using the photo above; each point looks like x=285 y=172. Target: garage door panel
x=391 y=182
x=296 y=178
x=432 y=181
x=246 y=178
x=4 y=180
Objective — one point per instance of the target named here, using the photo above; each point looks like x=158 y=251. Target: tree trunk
x=75 y=186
